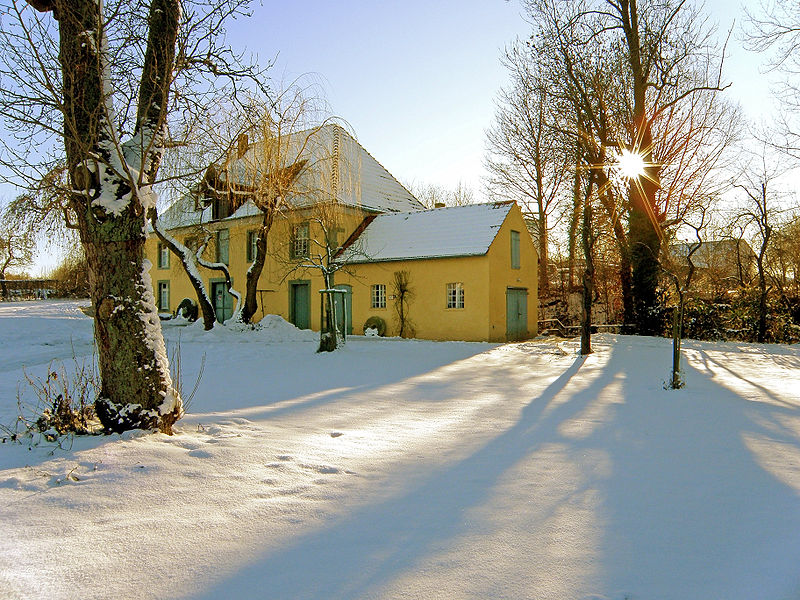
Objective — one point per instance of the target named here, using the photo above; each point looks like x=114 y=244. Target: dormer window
x=221 y=207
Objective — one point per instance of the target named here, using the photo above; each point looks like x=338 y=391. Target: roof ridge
x=380 y=164
x=495 y=204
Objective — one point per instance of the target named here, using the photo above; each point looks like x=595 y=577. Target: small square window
x=378 y=295
x=455 y=295
x=163 y=256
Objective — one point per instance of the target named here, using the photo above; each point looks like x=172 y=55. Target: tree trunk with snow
x=189 y=261
x=111 y=194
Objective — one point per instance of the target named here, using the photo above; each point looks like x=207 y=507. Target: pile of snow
x=412 y=469
x=272 y=329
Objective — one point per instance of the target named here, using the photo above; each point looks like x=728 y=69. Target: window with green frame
x=163 y=296
x=515 y=264
x=223 y=246
x=252 y=245
x=300 y=241
x=163 y=256
x=378 y=295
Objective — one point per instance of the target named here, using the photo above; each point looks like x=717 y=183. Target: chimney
x=438 y=205
x=242 y=145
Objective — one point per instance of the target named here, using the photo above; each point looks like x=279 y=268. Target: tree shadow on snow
x=682 y=499
x=693 y=507
x=360 y=553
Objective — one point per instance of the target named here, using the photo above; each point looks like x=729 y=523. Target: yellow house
x=457 y=273
x=470 y=270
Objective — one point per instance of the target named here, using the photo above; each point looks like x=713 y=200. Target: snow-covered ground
x=408 y=469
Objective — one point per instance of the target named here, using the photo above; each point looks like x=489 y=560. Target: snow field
x=409 y=469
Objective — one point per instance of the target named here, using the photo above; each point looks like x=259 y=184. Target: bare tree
x=17 y=247
x=639 y=70
x=194 y=180
x=588 y=240
x=760 y=208
x=527 y=160
x=403 y=294
x=432 y=195
x=680 y=269
x=775 y=27
x=105 y=92
x=270 y=172
x=318 y=249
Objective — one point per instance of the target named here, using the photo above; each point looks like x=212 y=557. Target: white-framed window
x=455 y=295
x=300 y=239
x=378 y=295
x=515 y=264
x=223 y=246
x=163 y=296
x=252 y=245
x=163 y=256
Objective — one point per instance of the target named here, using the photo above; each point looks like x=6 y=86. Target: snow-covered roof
x=436 y=233
x=361 y=181
x=183 y=213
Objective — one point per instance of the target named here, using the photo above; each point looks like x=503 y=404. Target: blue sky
x=417 y=80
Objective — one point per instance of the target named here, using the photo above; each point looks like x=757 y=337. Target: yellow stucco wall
x=279 y=268
x=485 y=279
x=502 y=276
x=427 y=311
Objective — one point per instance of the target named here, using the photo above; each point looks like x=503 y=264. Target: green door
x=516 y=314
x=223 y=301
x=300 y=304
x=348 y=309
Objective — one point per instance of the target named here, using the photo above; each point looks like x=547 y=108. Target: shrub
x=64 y=404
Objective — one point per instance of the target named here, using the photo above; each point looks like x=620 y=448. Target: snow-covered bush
x=375 y=323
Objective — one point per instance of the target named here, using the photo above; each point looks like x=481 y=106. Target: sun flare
x=630 y=164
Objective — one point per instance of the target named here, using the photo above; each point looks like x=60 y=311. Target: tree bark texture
x=254 y=272
x=136 y=387
x=761 y=334
x=677 y=335
x=587 y=241
x=645 y=247
x=645 y=241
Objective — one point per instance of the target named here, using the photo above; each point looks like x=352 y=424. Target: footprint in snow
x=200 y=453
x=322 y=469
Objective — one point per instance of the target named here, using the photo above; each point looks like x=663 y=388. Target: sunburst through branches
x=630 y=165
